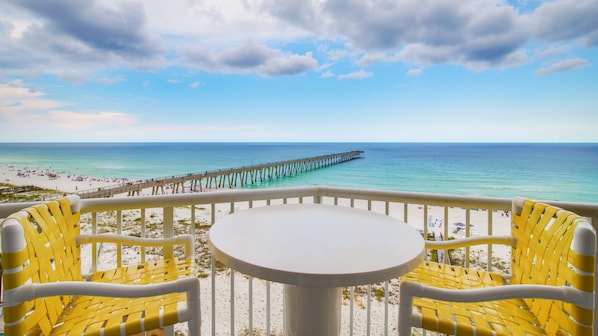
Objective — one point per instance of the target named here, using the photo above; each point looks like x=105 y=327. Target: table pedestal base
x=312 y=311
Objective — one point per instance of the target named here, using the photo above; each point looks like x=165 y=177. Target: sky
x=299 y=70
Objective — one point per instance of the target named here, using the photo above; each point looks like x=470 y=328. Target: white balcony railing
x=235 y=304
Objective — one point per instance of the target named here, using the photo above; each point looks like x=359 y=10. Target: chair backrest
x=554 y=247
x=38 y=246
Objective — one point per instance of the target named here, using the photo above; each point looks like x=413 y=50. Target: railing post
x=168 y=229
x=119 y=230
x=317 y=199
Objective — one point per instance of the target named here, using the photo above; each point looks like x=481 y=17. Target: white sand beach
x=22 y=176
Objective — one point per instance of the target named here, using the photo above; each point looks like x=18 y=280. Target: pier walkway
x=223 y=178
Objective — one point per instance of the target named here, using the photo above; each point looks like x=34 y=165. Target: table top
x=316 y=245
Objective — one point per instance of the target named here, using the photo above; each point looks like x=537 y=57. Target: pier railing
x=235 y=304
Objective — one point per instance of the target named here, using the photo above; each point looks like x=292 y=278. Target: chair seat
x=506 y=317
x=90 y=314
x=149 y=272
x=453 y=277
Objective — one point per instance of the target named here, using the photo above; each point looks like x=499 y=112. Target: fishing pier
x=224 y=178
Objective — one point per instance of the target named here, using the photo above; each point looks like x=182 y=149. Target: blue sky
x=298 y=70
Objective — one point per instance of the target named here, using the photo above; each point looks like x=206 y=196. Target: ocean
x=548 y=171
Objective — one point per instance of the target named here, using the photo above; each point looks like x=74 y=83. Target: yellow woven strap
x=452 y=277
x=14 y=280
x=485 y=318
x=584 y=282
x=50 y=255
x=151 y=272
x=543 y=255
x=582 y=262
x=502 y=317
x=71 y=218
x=14 y=259
x=560 y=323
x=93 y=315
x=96 y=315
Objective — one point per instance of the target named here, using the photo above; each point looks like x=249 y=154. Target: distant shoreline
x=50 y=180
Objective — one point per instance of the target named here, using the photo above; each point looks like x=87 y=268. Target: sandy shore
x=22 y=176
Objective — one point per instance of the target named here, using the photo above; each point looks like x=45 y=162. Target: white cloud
x=110 y=81
x=374 y=57
x=18 y=101
x=218 y=23
x=195 y=85
x=566 y=20
x=327 y=74
x=284 y=65
x=414 y=72
x=73 y=39
x=444 y=31
x=251 y=57
x=24 y=109
x=361 y=74
x=564 y=65
x=121 y=29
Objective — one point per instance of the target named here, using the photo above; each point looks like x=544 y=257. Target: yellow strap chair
x=550 y=292
x=45 y=292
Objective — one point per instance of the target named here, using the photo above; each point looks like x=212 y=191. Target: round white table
x=315 y=250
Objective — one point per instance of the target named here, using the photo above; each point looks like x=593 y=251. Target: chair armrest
x=186 y=240
x=408 y=290
x=471 y=241
x=32 y=291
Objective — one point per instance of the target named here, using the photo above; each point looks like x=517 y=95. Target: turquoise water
x=564 y=172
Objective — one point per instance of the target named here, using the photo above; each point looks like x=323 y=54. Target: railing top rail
x=228 y=196
x=583 y=209
x=123 y=203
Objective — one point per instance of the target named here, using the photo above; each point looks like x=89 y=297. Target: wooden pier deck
x=224 y=178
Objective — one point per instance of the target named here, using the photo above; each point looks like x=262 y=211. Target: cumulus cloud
x=251 y=58
x=564 y=65
x=119 y=30
x=412 y=31
x=566 y=20
x=249 y=55
x=72 y=38
x=285 y=65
